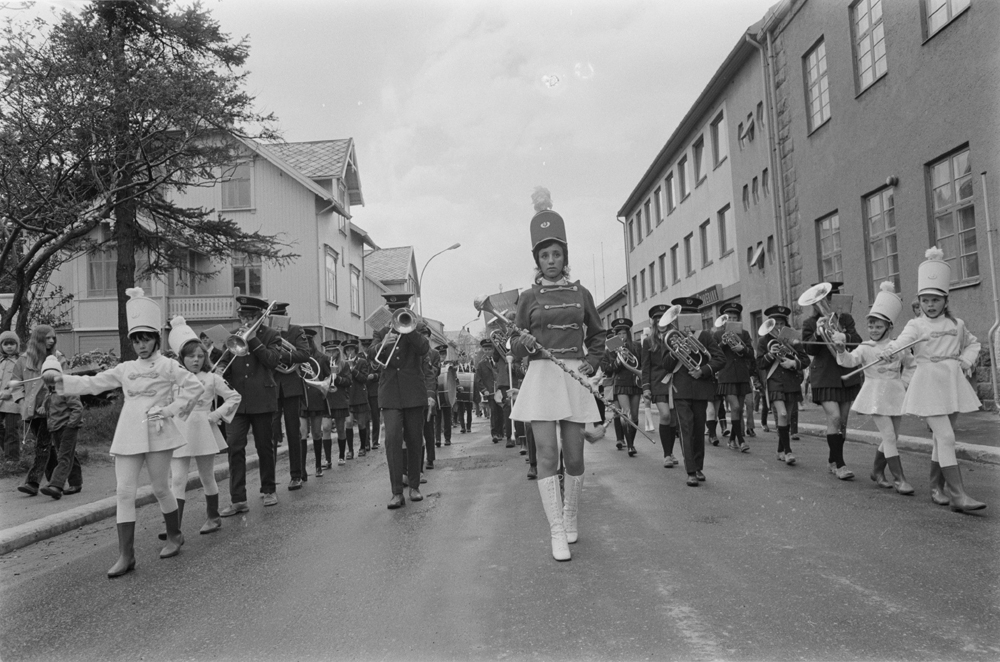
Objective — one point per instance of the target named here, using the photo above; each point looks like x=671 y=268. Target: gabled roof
x=389 y=264
x=325 y=159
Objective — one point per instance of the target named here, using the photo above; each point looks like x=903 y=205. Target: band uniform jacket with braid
x=621 y=377
x=739 y=365
x=825 y=371
x=485 y=381
x=402 y=384
x=564 y=320
x=658 y=364
x=781 y=379
x=253 y=375
x=290 y=384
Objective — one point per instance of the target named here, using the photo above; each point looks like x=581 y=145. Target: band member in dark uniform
x=780 y=363
x=734 y=379
x=829 y=391
x=486 y=387
x=374 y=370
x=294 y=350
x=404 y=398
x=447 y=397
x=505 y=368
x=252 y=376
x=338 y=399
x=360 y=411
x=627 y=375
x=432 y=370
x=315 y=411
x=657 y=385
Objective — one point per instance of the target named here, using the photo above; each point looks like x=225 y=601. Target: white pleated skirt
x=549 y=394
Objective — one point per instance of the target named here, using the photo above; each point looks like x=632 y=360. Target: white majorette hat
x=143 y=313
x=51 y=362
x=887 y=304
x=180 y=334
x=933 y=274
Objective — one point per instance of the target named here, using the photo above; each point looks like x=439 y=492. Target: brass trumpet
x=827 y=324
x=238 y=344
x=404 y=321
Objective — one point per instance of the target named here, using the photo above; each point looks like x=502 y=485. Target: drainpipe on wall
x=628 y=267
x=996 y=296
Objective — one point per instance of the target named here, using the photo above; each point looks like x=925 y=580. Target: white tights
x=888 y=427
x=127 y=468
x=944 y=439
x=179 y=467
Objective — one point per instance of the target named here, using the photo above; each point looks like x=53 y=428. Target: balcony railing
x=201 y=307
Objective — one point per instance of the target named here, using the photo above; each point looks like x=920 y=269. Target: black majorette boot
x=174 y=536
x=630 y=440
x=180 y=515
x=899 y=480
x=878 y=470
x=126 y=551
x=213 y=521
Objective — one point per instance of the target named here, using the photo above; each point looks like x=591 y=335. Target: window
x=954 y=229
x=869 y=42
x=635 y=292
x=247 y=274
x=831 y=267
x=652 y=278
x=938 y=13
x=236 y=188
x=746 y=197
x=699 y=157
x=880 y=228
x=687 y=254
x=673 y=264
x=638 y=227
x=724 y=215
x=649 y=218
x=331 y=274
x=671 y=196
x=765 y=182
x=184 y=283
x=101 y=266
x=817 y=86
x=658 y=206
x=770 y=249
x=642 y=283
x=631 y=235
x=755 y=188
x=682 y=176
x=703 y=230
x=719 y=139
x=749 y=133
x=739 y=135
x=355 y=291
x=760 y=113
x=342 y=224
x=663 y=271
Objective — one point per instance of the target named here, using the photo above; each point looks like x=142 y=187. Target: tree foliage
x=105 y=117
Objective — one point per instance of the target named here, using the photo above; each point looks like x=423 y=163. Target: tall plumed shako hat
x=180 y=334
x=546 y=225
x=143 y=313
x=887 y=305
x=934 y=274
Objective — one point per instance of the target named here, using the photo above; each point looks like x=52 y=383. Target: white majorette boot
x=571 y=499
x=548 y=488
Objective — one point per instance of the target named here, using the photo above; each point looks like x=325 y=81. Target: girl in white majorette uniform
x=882 y=394
x=201 y=428
x=156 y=390
x=939 y=389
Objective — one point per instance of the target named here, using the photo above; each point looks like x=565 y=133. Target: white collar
x=549 y=283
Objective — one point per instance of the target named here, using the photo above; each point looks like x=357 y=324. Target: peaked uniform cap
x=350 y=342
x=778 y=311
x=621 y=323
x=687 y=303
x=887 y=305
x=180 y=334
x=311 y=333
x=365 y=341
x=248 y=304
x=280 y=308
x=442 y=348
x=657 y=311
x=486 y=342
x=143 y=313
x=934 y=274
x=731 y=307
x=397 y=299
x=331 y=344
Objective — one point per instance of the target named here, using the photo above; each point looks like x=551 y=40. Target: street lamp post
x=420 y=280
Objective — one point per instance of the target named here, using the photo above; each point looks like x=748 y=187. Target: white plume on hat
x=541 y=198
x=934 y=274
x=180 y=334
x=51 y=362
x=934 y=253
x=134 y=292
x=142 y=312
x=887 y=304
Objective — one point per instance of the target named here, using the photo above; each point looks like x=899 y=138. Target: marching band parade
x=714 y=379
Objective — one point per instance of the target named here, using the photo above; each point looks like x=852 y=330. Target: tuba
x=282 y=367
x=827 y=324
x=404 y=321
x=238 y=344
x=682 y=346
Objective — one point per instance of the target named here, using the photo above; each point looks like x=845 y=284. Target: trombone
x=238 y=344
x=404 y=321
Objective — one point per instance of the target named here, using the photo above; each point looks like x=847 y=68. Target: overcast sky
x=458 y=109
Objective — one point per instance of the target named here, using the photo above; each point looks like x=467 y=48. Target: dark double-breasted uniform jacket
x=780 y=379
x=825 y=371
x=313 y=402
x=402 y=384
x=622 y=377
x=432 y=370
x=253 y=375
x=658 y=363
x=340 y=399
x=485 y=380
x=290 y=384
x=359 y=381
x=563 y=318
x=738 y=364
x=374 y=374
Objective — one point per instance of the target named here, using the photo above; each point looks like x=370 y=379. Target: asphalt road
x=761 y=562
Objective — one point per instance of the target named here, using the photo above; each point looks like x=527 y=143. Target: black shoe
x=715 y=441
x=751 y=433
x=438 y=444
x=700 y=476
x=692 y=480
x=447 y=442
x=632 y=451
x=397 y=501
x=52 y=491
x=319 y=472
x=495 y=440
x=532 y=473
x=72 y=489
x=295 y=484
x=765 y=428
x=31 y=489
x=620 y=445
x=429 y=465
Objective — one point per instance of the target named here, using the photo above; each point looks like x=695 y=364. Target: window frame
x=639 y=236
x=227 y=180
x=355 y=291
x=688 y=258
x=698 y=158
x=822 y=71
x=635 y=291
x=925 y=17
x=706 y=259
x=668 y=184
x=720 y=138
x=724 y=248
x=682 y=178
x=330 y=277
x=958 y=261
x=675 y=272
x=885 y=211
x=861 y=39
x=250 y=263
x=663 y=271
x=652 y=278
x=631 y=235
x=642 y=283
x=649 y=222
x=837 y=253
x=658 y=205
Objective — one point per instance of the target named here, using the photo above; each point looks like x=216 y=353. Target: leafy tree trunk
x=125 y=234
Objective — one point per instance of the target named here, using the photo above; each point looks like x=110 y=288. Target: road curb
x=970 y=452
x=56 y=524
